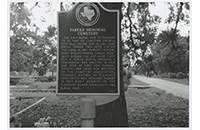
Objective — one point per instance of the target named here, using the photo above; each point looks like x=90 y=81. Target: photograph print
x=99 y=64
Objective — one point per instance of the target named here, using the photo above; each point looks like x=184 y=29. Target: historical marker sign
x=88 y=51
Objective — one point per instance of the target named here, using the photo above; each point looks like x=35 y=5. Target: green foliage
x=26 y=81
x=169 y=50
x=42 y=79
x=171 y=58
x=52 y=67
x=179 y=12
x=172 y=75
x=21 y=73
x=164 y=75
x=20 y=46
x=51 y=78
x=141 y=30
x=181 y=75
x=14 y=73
x=46 y=78
x=167 y=75
x=41 y=69
x=45 y=50
x=28 y=49
x=14 y=80
x=52 y=87
x=39 y=85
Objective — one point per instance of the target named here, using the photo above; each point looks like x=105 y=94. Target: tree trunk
x=113 y=114
x=52 y=73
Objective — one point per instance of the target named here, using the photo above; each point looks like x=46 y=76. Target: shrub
x=39 y=85
x=21 y=73
x=42 y=79
x=14 y=80
x=51 y=78
x=14 y=73
x=164 y=75
x=46 y=79
x=171 y=75
x=26 y=81
x=181 y=75
x=52 y=87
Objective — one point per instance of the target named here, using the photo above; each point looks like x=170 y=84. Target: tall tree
x=141 y=28
x=29 y=49
x=113 y=114
x=168 y=59
x=45 y=50
x=171 y=50
x=181 y=15
x=20 y=35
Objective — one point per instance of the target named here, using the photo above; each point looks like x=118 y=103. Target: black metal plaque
x=88 y=51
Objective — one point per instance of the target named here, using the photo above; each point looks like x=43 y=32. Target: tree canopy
x=149 y=49
x=29 y=50
x=32 y=49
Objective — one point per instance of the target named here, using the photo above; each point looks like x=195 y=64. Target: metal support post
x=87 y=111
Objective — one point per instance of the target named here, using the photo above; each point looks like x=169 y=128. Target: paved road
x=170 y=87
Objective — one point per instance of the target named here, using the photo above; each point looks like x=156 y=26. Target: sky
x=51 y=18
x=39 y=13
x=162 y=10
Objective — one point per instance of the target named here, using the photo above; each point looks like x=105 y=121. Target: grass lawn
x=153 y=107
x=134 y=81
x=149 y=107
x=34 y=94
x=181 y=81
x=146 y=107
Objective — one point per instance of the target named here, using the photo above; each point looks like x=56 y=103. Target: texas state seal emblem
x=87 y=14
